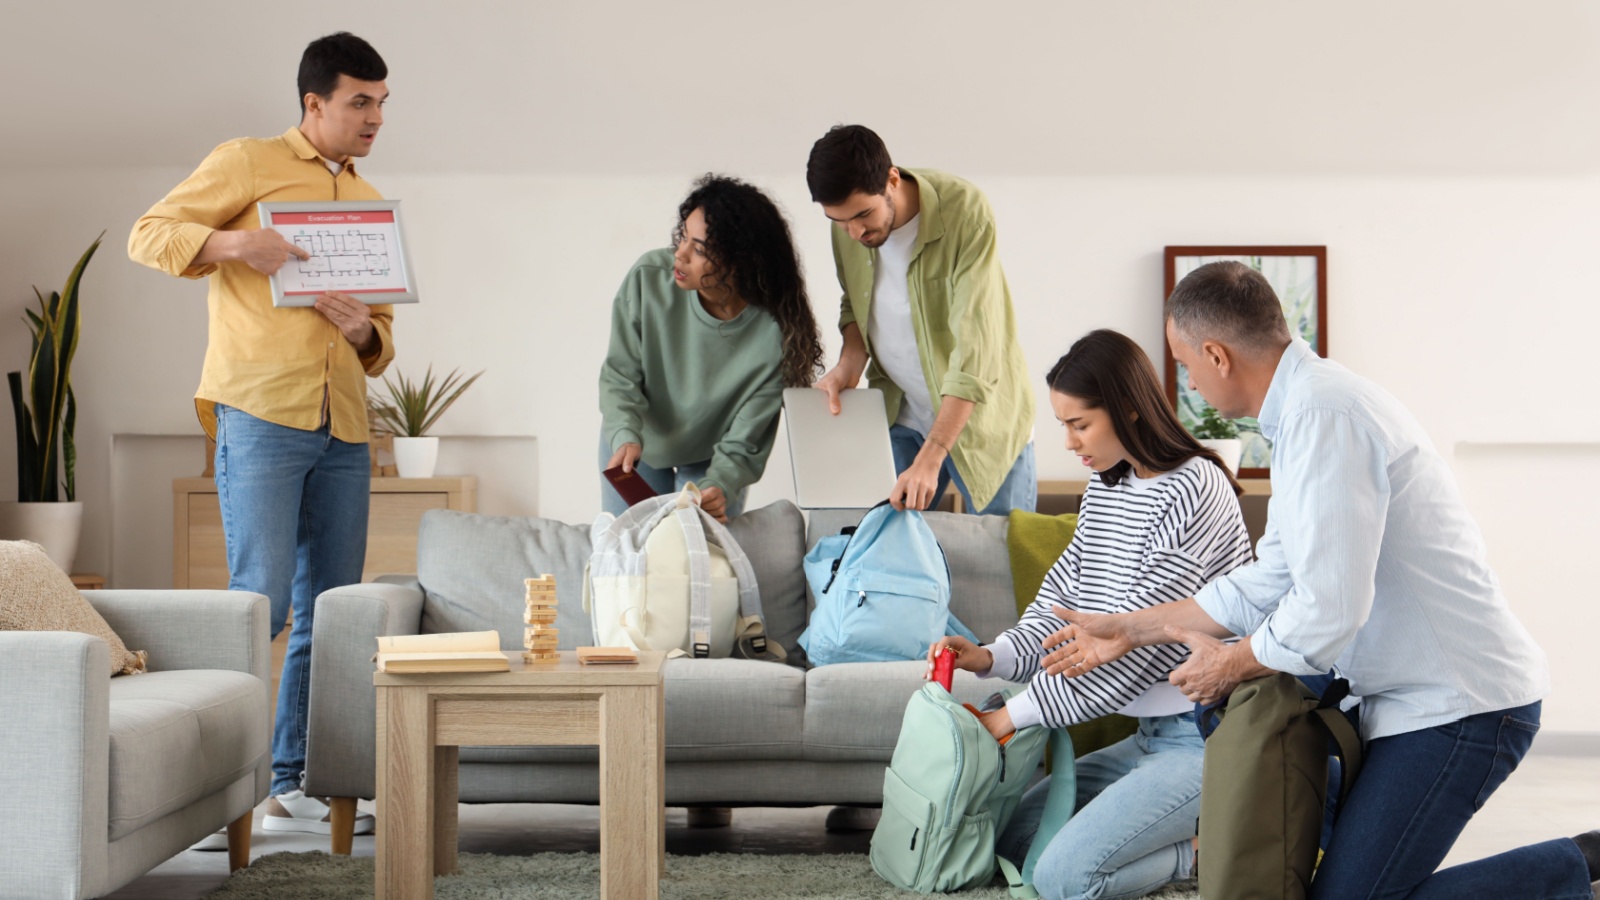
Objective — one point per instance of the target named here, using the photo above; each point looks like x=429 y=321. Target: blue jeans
x=665 y=481
x=1413 y=797
x=1138 y=802
x=294 y=516
x=1020 y=490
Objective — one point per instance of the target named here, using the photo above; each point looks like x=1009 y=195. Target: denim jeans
x=294 y=516
x=664 y=481
x=1138 y=802
x=1020 y=490
x=1413 y=797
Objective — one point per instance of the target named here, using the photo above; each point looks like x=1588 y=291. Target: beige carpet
x=559 y=876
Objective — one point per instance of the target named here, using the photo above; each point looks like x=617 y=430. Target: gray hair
x=1230 y=303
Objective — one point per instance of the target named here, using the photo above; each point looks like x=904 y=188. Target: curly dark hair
x=750 y=250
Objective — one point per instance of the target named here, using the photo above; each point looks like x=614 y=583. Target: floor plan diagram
x=343 y=253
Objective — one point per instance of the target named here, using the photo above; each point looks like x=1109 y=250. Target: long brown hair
x=1107 y=370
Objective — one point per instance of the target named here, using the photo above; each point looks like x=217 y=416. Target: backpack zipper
x=914 y=833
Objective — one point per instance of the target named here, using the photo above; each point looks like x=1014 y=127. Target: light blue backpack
x=882 y=589
x=950 y=790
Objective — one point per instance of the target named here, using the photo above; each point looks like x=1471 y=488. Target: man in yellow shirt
x=926 y=303
x=283 y=390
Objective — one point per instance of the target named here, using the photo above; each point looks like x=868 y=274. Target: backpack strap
x=687 y=511
x=751 y=631
x=1059 y=802
x=1344 y=735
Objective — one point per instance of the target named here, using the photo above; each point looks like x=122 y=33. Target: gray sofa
x=738 y=732
x=106 y=778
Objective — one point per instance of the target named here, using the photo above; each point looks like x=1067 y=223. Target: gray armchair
x=105 y=778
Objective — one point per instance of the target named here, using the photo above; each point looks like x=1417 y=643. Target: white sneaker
x=294 y=811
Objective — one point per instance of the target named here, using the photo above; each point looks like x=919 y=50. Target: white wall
x=1457 y=197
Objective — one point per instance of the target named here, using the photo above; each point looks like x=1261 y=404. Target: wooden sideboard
x=199 y=558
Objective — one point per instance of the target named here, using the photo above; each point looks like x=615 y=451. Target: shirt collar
x=931 y=226
x=303 y=148
x=1293 y=357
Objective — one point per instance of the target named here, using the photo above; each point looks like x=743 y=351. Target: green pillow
x=1035 y=542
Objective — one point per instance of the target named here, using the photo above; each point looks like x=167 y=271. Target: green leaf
x=69 y=447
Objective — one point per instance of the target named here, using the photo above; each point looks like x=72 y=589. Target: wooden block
x=541 y=656
x=545 y=582
x=540 y=637
x=542 y=600
x=539 y=615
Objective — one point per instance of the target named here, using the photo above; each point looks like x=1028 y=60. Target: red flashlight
x=944 y=667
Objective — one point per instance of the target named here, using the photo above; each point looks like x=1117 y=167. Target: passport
x=633 y=488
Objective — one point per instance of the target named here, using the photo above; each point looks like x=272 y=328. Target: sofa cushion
x=853 y=710
x=471 y=568
x=1035 y=542
x=179 y=736
x=774 y=537
x=717 y=709
x=35 y=595
x=980 y=566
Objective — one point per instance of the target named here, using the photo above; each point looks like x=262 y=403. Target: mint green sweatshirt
x=686 y=386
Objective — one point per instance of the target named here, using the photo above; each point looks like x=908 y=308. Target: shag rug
x=559 y=876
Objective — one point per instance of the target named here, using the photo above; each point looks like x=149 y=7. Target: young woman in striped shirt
x=1160 y=518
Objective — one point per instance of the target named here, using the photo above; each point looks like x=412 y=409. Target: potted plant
x=1220 y=435
x=46 y=418
x=411 y=411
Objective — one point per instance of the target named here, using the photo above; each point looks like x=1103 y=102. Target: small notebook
x=602 y=656
x=467 y=651
x=630 y=485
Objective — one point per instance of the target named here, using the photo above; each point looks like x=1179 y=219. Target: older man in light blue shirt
x=1370 y=566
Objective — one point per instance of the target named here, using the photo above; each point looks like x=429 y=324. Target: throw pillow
x=35 y=595
x=1035 y=542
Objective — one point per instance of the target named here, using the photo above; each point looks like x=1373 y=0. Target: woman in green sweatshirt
x=704 y=338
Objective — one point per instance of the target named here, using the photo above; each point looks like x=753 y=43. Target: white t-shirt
x=894 y=343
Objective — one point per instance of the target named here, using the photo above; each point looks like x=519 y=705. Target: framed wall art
x=1299 y=276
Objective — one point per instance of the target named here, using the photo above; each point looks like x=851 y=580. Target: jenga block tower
x=541 y=636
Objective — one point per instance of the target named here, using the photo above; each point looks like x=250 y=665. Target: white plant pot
x=1230 y=450
x=416 y=457
x=53 y=526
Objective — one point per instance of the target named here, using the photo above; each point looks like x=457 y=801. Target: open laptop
x=843 y=461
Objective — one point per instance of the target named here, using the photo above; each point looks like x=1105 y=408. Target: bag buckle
x=702 y=651
x=759 y=643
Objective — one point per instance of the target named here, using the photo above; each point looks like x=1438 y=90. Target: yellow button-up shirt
x=284 y=365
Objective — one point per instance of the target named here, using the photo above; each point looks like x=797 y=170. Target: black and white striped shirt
x=1138 y=544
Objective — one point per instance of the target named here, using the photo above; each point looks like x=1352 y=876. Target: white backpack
x=666 y=575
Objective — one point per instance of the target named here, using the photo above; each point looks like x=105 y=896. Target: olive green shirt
x=686 y=386
x=966 y=329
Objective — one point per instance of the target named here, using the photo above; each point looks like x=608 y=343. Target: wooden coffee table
x=423 y=720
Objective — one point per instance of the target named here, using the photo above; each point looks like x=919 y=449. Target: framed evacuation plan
x=357 y=247
x=1299 y=276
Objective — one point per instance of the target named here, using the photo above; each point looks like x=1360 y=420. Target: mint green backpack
x=950 y=790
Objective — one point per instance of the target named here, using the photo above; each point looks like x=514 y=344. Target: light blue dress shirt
x=1371 y=564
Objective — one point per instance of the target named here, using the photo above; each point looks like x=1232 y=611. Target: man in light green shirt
x=925 y=300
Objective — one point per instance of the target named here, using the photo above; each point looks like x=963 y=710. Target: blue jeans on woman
x=1138 y=802
x=1414 y=796
x=294 y=517
x=663 y=481
x=1020 y=490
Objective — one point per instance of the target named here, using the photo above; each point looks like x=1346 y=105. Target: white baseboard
x=1566 y=743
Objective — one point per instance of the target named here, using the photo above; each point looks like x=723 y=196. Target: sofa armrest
x=184 y=629
x=341 y=737
x=55 y=744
